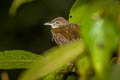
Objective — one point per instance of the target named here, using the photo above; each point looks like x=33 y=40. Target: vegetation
x=97 y=53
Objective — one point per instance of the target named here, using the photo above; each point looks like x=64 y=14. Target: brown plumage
x=64 y=32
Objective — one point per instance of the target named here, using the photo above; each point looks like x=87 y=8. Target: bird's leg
x=69 y=70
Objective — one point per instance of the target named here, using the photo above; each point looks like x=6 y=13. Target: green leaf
x=99 y=33
x=54 y=60
x=15 y=5
x=17 y=59
x=84 y=68
x=72 y=77
x=115 y=75
x=50 y=77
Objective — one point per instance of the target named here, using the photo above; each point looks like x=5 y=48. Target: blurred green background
x=98 y=21
x=25 y=31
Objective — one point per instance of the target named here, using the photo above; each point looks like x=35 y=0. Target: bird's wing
x=60 y=37
x=73 y=31
x=66 y=34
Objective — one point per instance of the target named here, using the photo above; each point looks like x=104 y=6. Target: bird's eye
x=57 y=22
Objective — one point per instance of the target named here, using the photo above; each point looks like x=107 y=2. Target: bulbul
x=63 y=32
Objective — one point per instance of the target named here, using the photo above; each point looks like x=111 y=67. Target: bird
x=63 y=32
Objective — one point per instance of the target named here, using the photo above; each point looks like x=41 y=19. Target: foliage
x=99 y=23
x=13 y=59
x=54 y=60
x=16 y=4
x=98 y=31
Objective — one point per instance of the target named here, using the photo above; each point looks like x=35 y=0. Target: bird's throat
x=55 y=26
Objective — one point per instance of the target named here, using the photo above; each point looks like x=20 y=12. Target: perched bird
x=63 y=32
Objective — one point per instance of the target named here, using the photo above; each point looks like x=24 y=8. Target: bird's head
x=57 y=22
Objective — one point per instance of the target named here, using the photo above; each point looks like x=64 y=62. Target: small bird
x=63 y=32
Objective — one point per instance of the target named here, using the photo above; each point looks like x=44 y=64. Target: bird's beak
x=48 y=23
